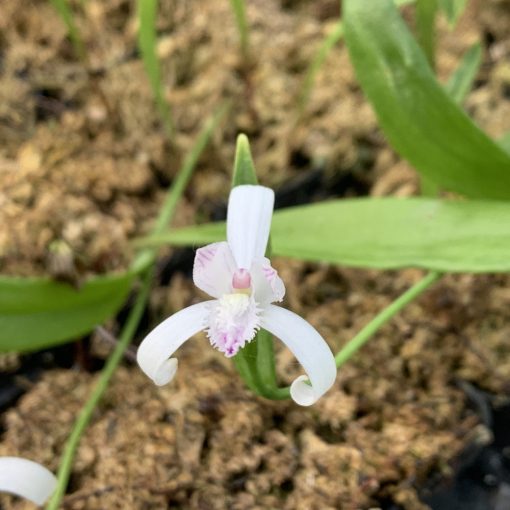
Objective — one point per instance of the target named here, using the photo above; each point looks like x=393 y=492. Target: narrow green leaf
x=37 y=313
x=383 y=233
x=453 y=9
x=461 y=81
x=147 y=42
x=67 y=16
x=239 y=8
x=421 y=122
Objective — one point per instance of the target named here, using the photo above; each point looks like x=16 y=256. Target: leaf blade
x=419 y=119
x=384 y=233
x=36 y=312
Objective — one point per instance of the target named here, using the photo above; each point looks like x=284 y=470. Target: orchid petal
x=213 y=269
x=27 y=479
x=268 y=287
x=248 y=222
x=154 y=352
x=310 y=349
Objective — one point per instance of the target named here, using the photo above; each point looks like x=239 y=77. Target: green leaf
x=461 y=81
x=383 y=233
x=453 y=9
x=239 y=8
x=329 y=42
x=421 y=122
x=36 y=313
x=244 y=169
x=67 y=16
x=147 y=42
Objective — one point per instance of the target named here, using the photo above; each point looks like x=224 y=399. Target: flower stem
x=383 y=317
x=142 y=264
x=255 y=364
x=265 y=364
x=243 y=362
x=265 y=370
x=87 y=411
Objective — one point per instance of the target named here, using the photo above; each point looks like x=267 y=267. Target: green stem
x=265 y=363
x=267 y=388
x=264 y=367
x=239 y=8
x=243 y=362
x=87 y=411
x=255 y=364
x=143 y=263
x=358 y=341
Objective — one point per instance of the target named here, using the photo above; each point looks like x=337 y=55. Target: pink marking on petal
x=267 y=286
x=213 y=269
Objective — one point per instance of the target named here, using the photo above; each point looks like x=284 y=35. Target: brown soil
x=81 y=177
x=394 y=417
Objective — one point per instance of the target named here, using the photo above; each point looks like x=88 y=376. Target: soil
x=84 y=165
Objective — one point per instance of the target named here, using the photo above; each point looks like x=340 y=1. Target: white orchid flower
x=26 y=479
x=244 y=285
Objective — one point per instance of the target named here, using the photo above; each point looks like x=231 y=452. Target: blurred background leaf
x=67 y=16
x=461 y=81
x=419 y=118
x=147 y=42
x=453 y=9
